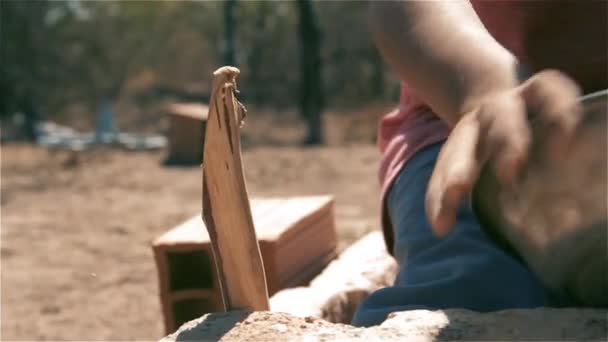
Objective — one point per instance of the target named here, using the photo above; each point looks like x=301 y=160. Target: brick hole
x=189 y=309
x=190 y=270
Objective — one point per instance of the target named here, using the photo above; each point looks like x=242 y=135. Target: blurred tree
x=65 y=55
x=267 y=29
x=117 y=41
x=86 y=49
x=311 y=87
x=353 y=73
x=23 y=60
x=378 y=81
x=229 y=28
x=255 y=56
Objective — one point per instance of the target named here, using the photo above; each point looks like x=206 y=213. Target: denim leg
x=465 y=269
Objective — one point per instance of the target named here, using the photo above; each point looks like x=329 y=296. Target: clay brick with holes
x=187 y=122
x=297 y=239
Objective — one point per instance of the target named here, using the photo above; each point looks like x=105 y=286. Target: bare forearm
x=443 y=52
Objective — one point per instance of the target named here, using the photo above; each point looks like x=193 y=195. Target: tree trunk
x=23 y=55
x=255 y=57
x=377 y=81
x=311 y=87
x=229 y=29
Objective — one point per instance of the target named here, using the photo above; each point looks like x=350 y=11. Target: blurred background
x=80 y=202
x=63 y=60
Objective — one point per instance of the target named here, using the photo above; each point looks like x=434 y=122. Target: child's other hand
x=498 y=132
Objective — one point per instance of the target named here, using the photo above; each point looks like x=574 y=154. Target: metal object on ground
x=555 y=217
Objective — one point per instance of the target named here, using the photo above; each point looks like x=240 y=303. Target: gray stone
x=415 y=325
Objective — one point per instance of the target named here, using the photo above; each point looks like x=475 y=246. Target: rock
x=555 y=214
x=335 y=293
x=415 y=325
x=542 y=324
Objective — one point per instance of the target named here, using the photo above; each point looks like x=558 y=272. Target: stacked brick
x=187 y=123
x=297 y=239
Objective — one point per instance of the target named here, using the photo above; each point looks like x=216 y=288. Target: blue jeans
x=465 y=269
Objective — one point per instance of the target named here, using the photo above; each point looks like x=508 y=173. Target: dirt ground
x=76 y=227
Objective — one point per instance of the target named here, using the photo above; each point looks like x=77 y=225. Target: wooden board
x=226 y=209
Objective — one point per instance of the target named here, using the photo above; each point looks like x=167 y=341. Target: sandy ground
x=76 y=228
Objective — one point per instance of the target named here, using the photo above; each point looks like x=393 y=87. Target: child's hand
x=498 y=132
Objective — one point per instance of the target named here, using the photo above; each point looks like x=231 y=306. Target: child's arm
x=449 y=60
x=444 y=53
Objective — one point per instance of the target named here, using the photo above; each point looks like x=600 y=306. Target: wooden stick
x=226 y=210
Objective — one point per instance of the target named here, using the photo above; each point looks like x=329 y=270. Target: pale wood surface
x=226 y=210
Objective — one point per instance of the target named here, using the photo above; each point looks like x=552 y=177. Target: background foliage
x=57 y=53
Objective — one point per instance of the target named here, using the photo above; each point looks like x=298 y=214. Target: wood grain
x=226 y=210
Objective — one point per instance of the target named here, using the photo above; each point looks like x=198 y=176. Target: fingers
x=506 y=135
x=552 y=99
x=498 y=132
x=456 y=169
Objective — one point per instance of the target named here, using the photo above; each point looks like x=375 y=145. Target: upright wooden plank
x=226 y=210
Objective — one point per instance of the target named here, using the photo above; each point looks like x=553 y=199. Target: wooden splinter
x=226 y=210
